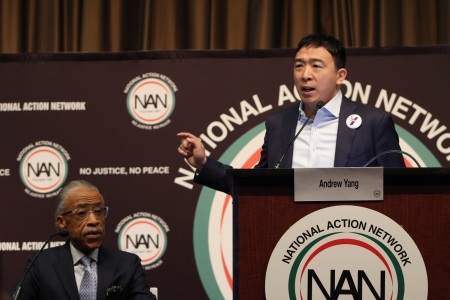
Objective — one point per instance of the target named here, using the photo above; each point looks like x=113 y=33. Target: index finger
x=186 y=135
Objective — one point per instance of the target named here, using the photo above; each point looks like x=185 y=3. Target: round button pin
x=354 y=121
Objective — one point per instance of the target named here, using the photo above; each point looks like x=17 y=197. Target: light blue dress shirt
x=316 y=145
x=78 y=267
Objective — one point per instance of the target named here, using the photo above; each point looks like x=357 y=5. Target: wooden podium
x=263 y=209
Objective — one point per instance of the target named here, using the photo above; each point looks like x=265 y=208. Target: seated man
x=83 y=268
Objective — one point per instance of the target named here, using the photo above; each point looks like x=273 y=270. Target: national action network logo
x=344 y=251
x=145 y=235
x=150 y=100
x=43 y=168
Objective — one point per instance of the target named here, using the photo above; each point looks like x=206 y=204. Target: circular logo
x=353 y=121
x=213 y=218
x=43 y=168
x=151 y=101
x=346 y=250
x=144 y=235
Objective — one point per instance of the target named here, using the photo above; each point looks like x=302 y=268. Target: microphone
x=319 y=105
x=390 y=152
x=61 y=233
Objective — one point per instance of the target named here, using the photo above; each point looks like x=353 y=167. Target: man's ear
x=341 y=75
x=61 y=223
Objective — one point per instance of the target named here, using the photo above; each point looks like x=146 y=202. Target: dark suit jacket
x=52 y=276
x=354 y=147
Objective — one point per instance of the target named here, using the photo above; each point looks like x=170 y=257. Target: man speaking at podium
x=325 y=129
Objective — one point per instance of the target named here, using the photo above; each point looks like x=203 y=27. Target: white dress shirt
x=316 y=145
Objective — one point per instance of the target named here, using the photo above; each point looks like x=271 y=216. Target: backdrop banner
x=112 y=119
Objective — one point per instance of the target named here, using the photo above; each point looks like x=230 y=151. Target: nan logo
x=145 y=235
x=151 y=100
x=346 y=251
x=43 y=168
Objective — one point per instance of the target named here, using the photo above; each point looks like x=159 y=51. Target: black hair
x=333 y=46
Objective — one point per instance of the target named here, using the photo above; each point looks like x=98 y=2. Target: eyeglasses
x=82 y=213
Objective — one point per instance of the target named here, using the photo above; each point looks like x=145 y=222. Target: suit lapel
x=345 y=135
x=105 y=272
x=67 y=277
x=289 y=124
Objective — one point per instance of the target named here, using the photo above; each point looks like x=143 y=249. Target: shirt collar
x=77 y=254
x=332 y=107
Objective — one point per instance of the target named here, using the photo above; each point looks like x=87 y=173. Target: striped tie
x=88 y=288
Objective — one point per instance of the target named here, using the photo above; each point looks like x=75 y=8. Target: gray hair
x=60 y=205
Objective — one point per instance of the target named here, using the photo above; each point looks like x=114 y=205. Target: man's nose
x=306 y=75
x=92 y=218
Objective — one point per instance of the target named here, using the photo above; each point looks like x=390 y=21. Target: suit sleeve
x=214 y=175
x=29 y=288
x=139 y=289
x=42 y=280
x=386 y=139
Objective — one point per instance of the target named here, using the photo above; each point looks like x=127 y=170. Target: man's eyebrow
x=310 y=60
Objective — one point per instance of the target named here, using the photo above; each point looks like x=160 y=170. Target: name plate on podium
x=338 y=184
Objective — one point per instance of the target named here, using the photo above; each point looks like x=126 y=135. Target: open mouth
x=307 y=89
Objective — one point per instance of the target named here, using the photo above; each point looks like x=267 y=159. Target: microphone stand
x=319 y=105
x=389 y=152
x=19 y=287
